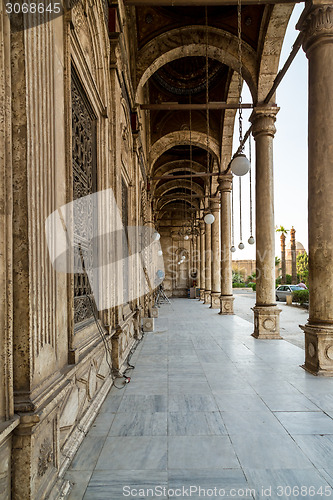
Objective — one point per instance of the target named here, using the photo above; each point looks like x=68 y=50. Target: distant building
x=299 y=250
x=247 y=267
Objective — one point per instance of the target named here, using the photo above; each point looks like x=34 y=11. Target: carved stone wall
x=60 y=377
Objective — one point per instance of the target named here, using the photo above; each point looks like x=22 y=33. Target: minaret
x=293 y=256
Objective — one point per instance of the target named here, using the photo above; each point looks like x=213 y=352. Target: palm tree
x=283 y=232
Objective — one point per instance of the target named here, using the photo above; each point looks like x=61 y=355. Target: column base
x=266 y=322
x=154 y=312
x=318 y=349
x=227 y=304
x=207 y=297
x=148 y=324
x=202 y=294
x=215 y=300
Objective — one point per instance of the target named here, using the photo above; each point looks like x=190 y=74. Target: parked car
x=283 y=290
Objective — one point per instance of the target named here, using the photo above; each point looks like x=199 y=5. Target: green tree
x=277 y=261
x=237 y=277
x=281 y=229
x=302 y=264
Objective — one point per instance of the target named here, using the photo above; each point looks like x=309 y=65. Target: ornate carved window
x=84 y=161
x=124 y=217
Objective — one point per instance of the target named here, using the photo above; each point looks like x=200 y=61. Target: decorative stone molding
x=202 y=294
x=318 y=23
x=266 y=322
x=318 y=349
x=226 y=304
x=263 y=120
x=45 y=459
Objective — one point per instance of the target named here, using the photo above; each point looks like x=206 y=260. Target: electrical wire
x=240 y=210
x=232 y=217
x=251 y=204
x=101 y=332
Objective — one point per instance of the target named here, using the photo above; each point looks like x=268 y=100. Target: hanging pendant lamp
x=240 y=165
x=209 y=218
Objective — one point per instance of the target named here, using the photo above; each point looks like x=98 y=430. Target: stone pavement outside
x=209 y=406
x=290 y=318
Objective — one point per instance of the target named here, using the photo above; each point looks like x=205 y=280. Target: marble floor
x=210 y=413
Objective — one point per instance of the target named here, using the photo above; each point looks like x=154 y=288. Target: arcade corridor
x=210 y=406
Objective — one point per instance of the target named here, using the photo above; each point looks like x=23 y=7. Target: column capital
x=214 y=205
x=263 y=119
x=225 y=183
x=202 y=226
x=316 y=23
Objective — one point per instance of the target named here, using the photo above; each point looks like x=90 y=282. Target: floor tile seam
x=210 y=387
x=325 y=479
x=201 y=363
x=303 y=452
x=282 y=423
x=236 y=454
x=86 y=487
x=167 y=405
x=316 y=404
x=306 y=396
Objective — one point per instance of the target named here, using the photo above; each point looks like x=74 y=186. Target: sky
x=290 y=152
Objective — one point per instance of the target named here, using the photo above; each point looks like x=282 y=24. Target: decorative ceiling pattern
x=183 y=80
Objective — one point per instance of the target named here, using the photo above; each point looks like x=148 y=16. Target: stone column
x=266 y=313
x=202 y=261
x=226 y=298
x=208 y=262
x=216 y=256
x=293 y=256
x=197 y=258
x=317 y=25
x=283 y=257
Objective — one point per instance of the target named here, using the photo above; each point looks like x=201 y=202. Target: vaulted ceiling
x=174 y=46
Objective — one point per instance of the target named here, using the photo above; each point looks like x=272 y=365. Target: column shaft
x=226 y=298
x=216 y=258
x=208 y=262
x=266 y=314
x=317 y=25
x=197 y=259
x=202 y=261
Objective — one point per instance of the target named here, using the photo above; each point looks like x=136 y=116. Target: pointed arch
x=190 y=41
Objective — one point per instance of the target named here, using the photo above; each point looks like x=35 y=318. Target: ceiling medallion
x=149 y=19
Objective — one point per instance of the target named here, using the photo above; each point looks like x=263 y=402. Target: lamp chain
x=207 y=87
x=191 y=152
x=240 y=73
